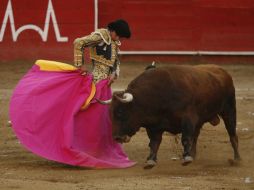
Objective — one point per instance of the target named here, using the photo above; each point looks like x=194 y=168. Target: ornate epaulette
x=104 y=33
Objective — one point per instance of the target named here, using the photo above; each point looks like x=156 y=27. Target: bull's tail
x=229 y=116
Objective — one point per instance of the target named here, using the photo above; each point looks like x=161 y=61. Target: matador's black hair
x=121 y=27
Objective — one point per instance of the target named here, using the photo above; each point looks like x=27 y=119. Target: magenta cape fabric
x=46 y=117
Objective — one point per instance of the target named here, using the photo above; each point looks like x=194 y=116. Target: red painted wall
x=74 y=18
x=161 y=25
x=184 y=25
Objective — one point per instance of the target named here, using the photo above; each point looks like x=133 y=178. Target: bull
x=176 y=99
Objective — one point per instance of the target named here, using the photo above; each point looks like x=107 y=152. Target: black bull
x=176 y=99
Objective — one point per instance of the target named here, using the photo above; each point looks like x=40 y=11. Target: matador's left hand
x=112 y=79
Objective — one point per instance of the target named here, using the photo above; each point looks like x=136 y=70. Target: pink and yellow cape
x=54 y=115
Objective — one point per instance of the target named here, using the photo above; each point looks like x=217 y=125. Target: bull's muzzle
x=122 y=139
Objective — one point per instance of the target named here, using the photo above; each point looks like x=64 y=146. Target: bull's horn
x=127 y=97
x=105 y=102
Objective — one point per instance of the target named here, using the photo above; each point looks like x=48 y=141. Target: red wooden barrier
x=43 y=29
x=173 y=25
x=162 y=25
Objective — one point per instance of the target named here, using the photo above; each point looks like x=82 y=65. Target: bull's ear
x=118 y=93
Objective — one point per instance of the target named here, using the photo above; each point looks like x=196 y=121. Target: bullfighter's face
x=123 y=126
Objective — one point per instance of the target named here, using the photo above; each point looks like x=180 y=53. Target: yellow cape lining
x=46 y=65
x=90 y=97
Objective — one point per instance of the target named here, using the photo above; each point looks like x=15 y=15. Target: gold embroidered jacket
x=103 y=53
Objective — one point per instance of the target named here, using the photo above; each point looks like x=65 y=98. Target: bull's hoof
x=9 y=123
x=150 y=164
x=187 y=160
x=235 y=162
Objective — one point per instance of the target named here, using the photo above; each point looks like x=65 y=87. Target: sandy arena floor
x=20 y=169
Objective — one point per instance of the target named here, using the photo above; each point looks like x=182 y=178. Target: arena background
x=166 y=31
x=163 y=30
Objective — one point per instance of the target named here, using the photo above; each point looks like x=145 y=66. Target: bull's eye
x=119 y=113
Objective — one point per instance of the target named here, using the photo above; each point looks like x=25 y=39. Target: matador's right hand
x=83 y=70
